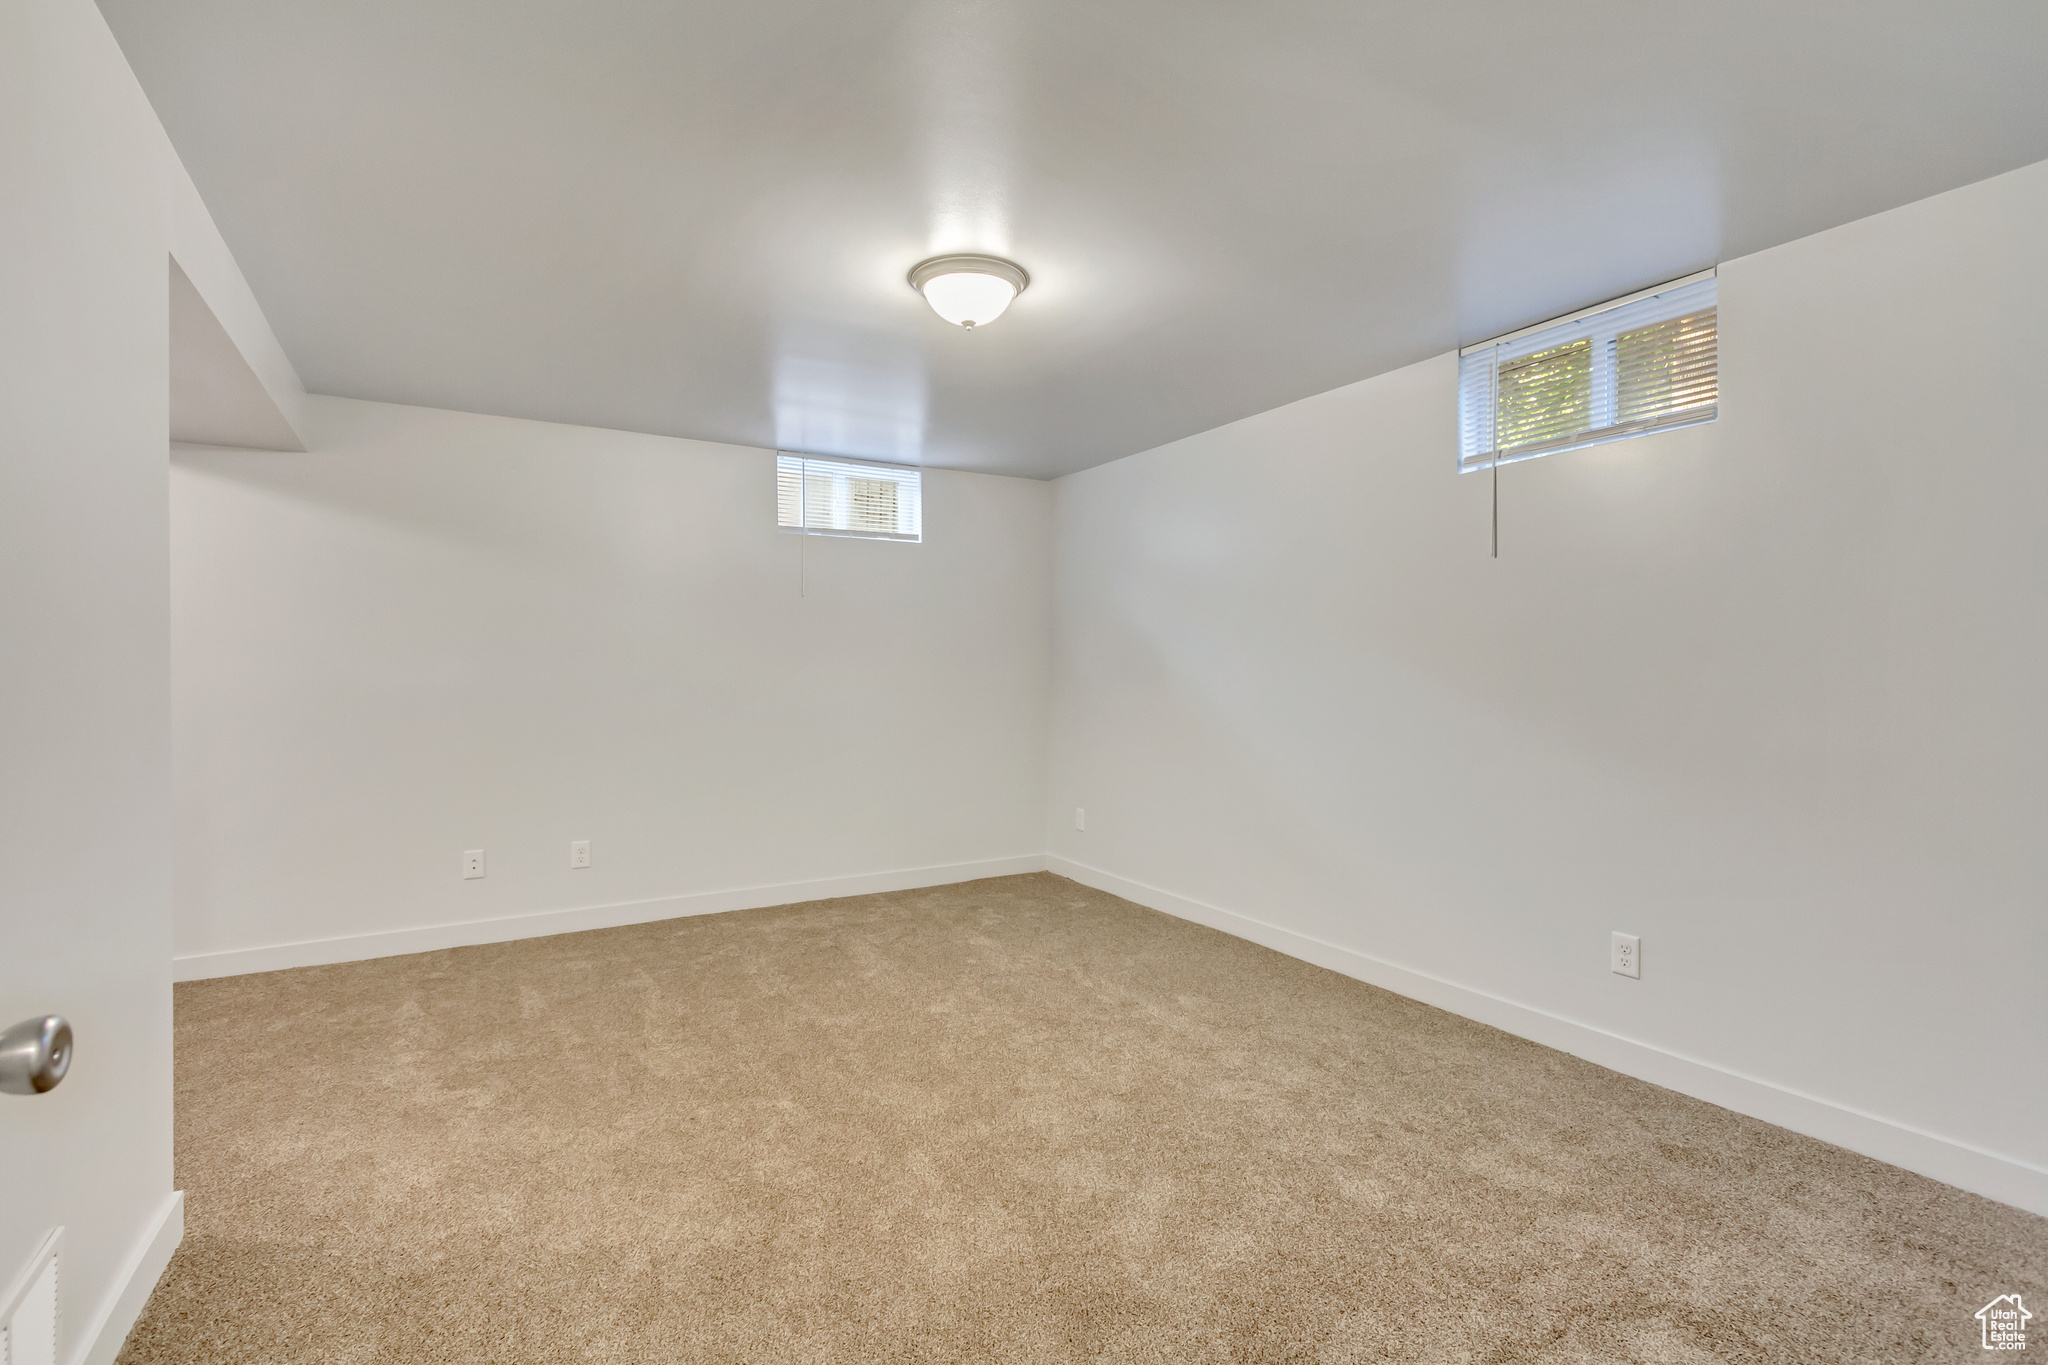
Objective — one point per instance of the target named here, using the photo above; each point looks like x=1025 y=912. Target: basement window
x=849 y=498
x=1646 y=363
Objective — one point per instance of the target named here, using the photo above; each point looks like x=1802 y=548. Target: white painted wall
x=440 y=631
x=1767 y=693
x=84 y=670
x=271 y=395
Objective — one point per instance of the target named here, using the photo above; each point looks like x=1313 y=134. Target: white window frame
x=909 y=481
x=1479 y=372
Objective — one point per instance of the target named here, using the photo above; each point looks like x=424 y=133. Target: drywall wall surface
x=215 y=397
x=439 y=632
x=212 y=273
x=84 y=669
x=1766 y=693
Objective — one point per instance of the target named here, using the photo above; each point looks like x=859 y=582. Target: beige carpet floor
x=1013 y=1120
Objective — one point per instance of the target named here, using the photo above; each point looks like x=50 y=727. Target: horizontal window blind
x=1649 y=364
x=849 y=498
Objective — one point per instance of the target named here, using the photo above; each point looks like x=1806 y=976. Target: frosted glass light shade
x=967 y=299
x=968 y=291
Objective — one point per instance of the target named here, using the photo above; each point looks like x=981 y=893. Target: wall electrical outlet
x=1080 y=818
x=579 y=853
x=1628 y=955
x=472 y=864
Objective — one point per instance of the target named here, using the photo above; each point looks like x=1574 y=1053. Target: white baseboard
x=104 y=1339
x=428 y=938
x=2006 y=1179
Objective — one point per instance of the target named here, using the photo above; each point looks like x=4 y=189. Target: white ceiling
x=695 y=219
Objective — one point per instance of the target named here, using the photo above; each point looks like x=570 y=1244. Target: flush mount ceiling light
x=968 y=291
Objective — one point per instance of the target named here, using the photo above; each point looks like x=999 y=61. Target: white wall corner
x=2006 y=1179
x=216 y=398
x=124 y=1303
x=270 y=381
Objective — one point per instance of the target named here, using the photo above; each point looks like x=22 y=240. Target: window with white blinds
x=849 y=498
x=1646 y=364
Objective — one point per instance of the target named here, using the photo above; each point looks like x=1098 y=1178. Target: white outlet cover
x=472 y=864
x=1080 y=818
x=579 y=853
x=1626 y=955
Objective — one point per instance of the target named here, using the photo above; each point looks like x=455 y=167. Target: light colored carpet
x=1013 y=1120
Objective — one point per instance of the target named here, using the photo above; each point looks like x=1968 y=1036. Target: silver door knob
x=34 y=1055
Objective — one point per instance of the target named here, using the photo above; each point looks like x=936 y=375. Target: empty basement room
x=1014 y=680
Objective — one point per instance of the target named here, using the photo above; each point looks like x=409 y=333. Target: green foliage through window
x=1546 y=396
x=1650 y=363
